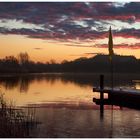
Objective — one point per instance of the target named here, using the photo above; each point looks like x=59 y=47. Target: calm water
x=63 y=104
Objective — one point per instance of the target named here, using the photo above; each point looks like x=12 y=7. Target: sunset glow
x=67 y=31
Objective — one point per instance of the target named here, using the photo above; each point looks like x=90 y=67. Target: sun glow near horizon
x=45 y=51
x=60 y=31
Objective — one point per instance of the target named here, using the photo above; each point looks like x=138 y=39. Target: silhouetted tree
x=52 y=61
x=98 y=63
x=23 y=58
x=9 y=64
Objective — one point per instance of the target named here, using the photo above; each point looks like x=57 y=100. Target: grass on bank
x=15 y=122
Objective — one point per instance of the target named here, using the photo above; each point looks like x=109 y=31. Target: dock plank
x=118 y=91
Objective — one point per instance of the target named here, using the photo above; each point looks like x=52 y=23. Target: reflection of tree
x=9 y=82
x=24 y=81
x=16 y=81
x=23 y=85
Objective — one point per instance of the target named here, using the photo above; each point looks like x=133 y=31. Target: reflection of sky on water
x=71 y=123
x=42 y=88
x=137 y=84
x=65 y=109
x=47 y=91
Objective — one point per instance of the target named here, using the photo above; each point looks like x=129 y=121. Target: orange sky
x=14 y=44
x=77 y=29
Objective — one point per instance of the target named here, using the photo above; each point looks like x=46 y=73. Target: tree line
x=98 y=63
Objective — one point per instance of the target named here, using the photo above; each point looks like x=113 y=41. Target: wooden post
x=101 y=96
x=101 y=86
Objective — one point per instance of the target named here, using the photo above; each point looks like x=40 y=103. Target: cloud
x=88 y=54
x=128 y=33
x=93 y=53
x=40 y=13
x=123 y=45
x=38 y=48
x=18 y=24
x=71 y=21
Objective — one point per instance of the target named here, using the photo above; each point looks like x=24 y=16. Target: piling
x=101 y=96
x=101 y=87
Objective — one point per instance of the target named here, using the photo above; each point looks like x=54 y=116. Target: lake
x=64 y=107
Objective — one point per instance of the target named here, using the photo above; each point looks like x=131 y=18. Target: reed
x=15 y=122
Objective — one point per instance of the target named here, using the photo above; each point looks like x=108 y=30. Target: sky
x=68 y=30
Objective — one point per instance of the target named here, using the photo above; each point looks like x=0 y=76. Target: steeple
x=110 y=44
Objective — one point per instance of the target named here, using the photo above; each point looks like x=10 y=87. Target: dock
x=117 y=96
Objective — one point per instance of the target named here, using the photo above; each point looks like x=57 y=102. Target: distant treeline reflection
x=23 y=81
x=98 y=63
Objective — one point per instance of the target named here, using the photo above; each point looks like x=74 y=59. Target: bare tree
x=23 y=58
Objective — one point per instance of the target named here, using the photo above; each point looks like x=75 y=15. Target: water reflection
x=71 y=123
x=65 y=108
x=56 y=87
x=24 y=81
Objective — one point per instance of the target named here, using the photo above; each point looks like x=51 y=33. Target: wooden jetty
x=120 y=97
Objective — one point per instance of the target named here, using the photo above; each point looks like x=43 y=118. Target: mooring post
x=101 y=96
x=101 y=87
